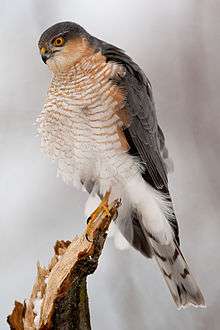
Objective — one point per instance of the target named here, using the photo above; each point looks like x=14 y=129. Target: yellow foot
x=91 y=221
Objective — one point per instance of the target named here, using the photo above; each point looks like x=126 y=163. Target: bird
x=99 y=125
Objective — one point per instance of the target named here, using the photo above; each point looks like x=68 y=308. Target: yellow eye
x=58 y=42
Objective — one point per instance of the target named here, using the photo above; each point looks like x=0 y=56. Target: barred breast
x=81 y=125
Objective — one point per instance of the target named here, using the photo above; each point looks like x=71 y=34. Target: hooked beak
x=45 y=54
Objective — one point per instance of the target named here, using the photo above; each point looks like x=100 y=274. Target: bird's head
x=63 y=45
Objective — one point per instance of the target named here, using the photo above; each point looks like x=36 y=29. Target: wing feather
x=144 y=136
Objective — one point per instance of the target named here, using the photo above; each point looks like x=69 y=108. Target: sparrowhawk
x=99 y=124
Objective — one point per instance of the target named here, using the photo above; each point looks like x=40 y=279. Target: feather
x=177 y=275
x=155 y=215
x=144 y=135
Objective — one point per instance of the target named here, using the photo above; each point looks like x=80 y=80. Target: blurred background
x=177 y=43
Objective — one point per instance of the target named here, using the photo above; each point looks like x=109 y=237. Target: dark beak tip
x=44 y=58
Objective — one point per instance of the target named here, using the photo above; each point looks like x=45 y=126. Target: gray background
x=177 y=43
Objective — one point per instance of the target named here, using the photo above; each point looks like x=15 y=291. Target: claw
x=102 y=208
x=87 y=238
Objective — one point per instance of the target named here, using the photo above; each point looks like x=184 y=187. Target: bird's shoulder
x=143 y=133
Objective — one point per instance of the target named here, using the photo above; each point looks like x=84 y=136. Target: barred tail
x=155 y=232
x=176 y=273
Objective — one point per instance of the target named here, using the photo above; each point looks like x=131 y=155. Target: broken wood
x=59 y=296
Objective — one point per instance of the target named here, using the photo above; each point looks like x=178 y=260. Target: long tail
x=156 y=217
x=176 y=273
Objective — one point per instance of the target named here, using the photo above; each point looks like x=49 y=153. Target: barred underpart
x=80 y=125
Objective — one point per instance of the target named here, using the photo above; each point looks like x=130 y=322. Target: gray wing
x=145 y=137
x=143 y=131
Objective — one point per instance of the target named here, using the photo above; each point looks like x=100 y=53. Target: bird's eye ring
x=58 y=42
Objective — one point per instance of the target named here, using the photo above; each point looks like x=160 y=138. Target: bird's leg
x=102 y=208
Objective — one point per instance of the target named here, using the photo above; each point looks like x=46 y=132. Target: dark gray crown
x=67 y=29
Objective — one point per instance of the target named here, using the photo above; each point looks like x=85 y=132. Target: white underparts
x=78 y=128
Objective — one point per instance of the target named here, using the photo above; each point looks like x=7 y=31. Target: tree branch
x=59 y=296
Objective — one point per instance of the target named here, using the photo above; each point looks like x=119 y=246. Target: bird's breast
x=81 y=125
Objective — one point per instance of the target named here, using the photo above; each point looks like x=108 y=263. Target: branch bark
x=59 y=297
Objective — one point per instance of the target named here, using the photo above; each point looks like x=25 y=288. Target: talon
x=88 y=219
x=87 y=238
x=103 y=207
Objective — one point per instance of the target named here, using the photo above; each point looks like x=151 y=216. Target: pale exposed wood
x=15 y=320
x=60 y=289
